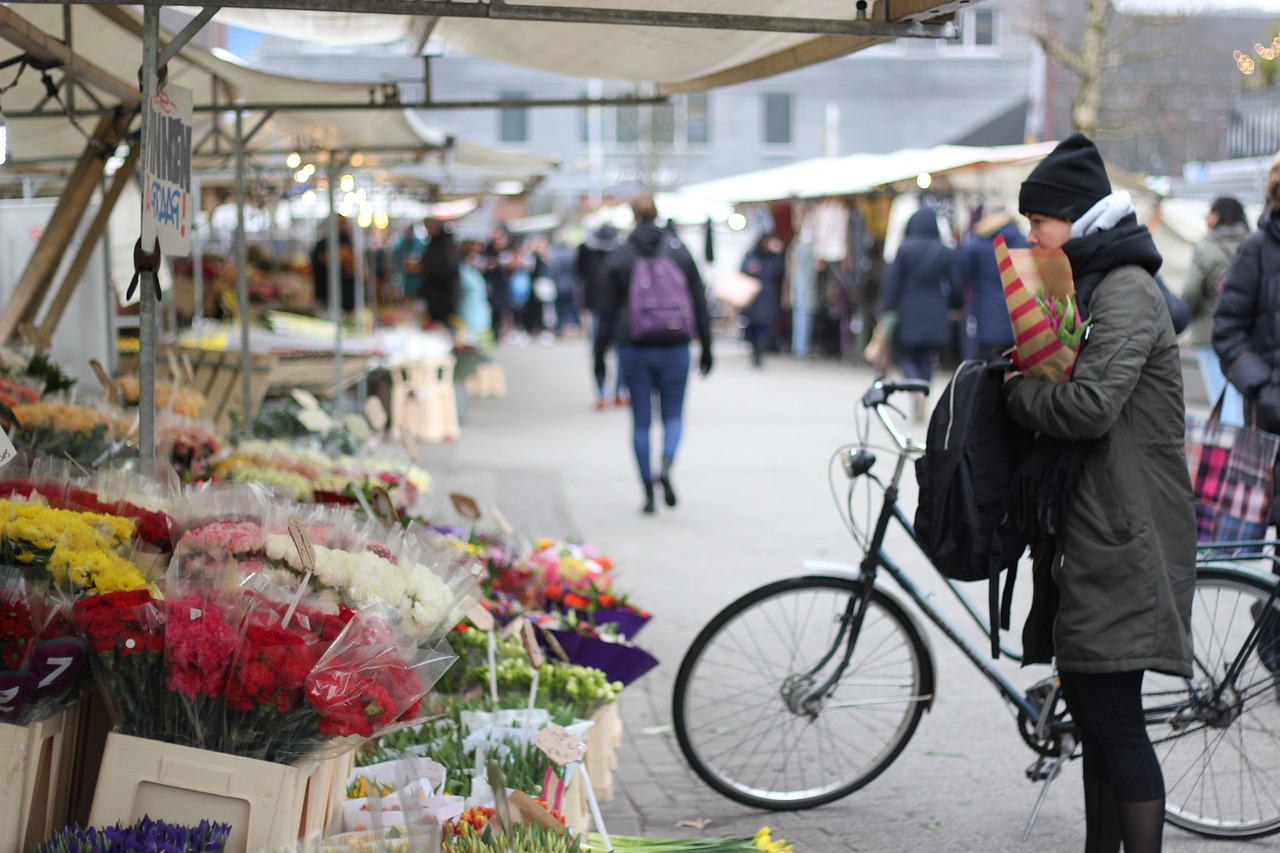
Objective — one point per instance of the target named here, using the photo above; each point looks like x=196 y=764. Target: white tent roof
x=855 y=173
x=110 y=39
x=676 y=58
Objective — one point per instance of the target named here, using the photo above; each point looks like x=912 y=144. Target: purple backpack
x=659 y=302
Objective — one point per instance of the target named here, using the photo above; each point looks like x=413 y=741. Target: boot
x=668 y=493
x=648 y=508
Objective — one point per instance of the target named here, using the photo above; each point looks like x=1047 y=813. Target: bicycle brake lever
x=896 y=410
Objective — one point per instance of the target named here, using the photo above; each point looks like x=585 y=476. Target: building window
x=697 y=119
x=777 y=119
x=978 y=28
x=513 y=122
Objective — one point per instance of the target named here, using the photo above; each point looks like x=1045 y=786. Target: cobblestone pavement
x=754 y=502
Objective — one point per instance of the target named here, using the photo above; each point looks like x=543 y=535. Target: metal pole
x=242 y=282
x=146 y=293
x=357 y=248
x=197 y=268
x=334 y=255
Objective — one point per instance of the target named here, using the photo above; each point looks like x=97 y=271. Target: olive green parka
x=1115 y=593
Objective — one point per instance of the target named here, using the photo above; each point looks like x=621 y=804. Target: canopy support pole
x=333 y=259
x=147 y=281
x=197 y=267
x=361 y=275
x=242 y=283
x=180 y=40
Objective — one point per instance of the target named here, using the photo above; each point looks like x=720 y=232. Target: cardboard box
x=35 y=779
x=265 y=803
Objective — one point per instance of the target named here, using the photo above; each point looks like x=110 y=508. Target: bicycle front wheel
x=736 y=705
x=1221 y=756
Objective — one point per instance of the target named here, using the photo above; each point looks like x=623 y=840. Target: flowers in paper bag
x=1040 y=295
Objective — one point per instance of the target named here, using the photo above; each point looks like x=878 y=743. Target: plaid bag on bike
x=1248 y=487
x=1208 y=448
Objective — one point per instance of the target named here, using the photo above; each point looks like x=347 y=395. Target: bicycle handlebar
x=877 y=397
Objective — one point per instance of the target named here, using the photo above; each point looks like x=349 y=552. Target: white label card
x=315 y=420
x=481 y=617
x=560 y=746
x=305 y=399
x=376 y=413
x=529 y=639
x=7 y=451
x=306 y=552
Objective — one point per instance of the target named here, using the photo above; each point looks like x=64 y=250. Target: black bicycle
x=804 y=690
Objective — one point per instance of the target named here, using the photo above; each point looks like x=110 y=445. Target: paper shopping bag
x=1024 y=273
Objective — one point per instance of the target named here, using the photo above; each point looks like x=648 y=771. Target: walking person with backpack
x=652 y=305
x=1114 y=529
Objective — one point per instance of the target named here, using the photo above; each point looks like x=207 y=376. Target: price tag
x=306 y=552
x=515 y=626
x=316 y=420
x=465 y=506
x=382 y=506
x=481 y=618
x=357 y=426
x=376 y=413
x=7 y=451
x=305 y=399
x=560 y=746
x=529 y=639
x=107 y=385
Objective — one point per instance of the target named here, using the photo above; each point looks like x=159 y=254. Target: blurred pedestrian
x=347 y=269
x=978 y=279
x=1209 y=261
x=592 y=255
x=916 y=299
x=406 y=263
x=767 y=262
x=440 y=284
x=562 y=263
x=499 y=262
x=652 y=369
x=473 y=305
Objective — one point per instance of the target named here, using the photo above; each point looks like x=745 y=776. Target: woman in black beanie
x=1114 y=554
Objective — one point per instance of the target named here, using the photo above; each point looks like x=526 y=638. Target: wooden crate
x=424 y=402
x=35 y=782
x=265 y=803
x=218 y=377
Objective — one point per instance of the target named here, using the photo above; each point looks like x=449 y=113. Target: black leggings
x=1107 y=709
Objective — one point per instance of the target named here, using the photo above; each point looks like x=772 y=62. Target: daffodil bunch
x=761 y=842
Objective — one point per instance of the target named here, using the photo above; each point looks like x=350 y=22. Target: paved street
x=754 y=502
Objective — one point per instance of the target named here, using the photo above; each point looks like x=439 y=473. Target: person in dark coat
x=917 y=294
x=1209 y=261
x=767 y=261
x=498 y=263
x=1114 y=561
x=1246 y=336
x=441 y=285
x=347 y=265
x=591 y=264
x=978 y=279
x=650 y=370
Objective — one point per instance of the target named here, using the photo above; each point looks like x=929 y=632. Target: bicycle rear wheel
x=1221 y=759
x=730 y=704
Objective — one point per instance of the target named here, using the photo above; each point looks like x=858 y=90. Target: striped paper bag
x=1025 y=272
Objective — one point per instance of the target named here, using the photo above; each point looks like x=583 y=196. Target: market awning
x=108 y=40
x=681 y=45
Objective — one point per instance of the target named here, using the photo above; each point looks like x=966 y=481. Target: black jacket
x=1246 y=322
x=644 y=241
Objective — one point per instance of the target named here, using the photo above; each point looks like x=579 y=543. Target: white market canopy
x=107 y=51
x=856 y=173
x=681 y=45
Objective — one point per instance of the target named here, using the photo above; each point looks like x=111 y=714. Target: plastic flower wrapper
x=189 y=445
x=76 y=551
x=88 y=435
x=57 y=666
x=18 y=631
x=372 y=678
x=126 y=632
x=202 y=619
x=1040 y=295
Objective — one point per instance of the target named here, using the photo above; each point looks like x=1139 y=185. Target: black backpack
x=965 y=476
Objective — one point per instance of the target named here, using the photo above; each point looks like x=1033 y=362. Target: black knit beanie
x=1067 y=182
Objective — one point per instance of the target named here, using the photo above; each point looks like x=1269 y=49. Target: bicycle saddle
x=881 y=389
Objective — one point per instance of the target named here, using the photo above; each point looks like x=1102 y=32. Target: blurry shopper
x=652 y=369
x=499 y=262
x=978 y=278
x=802 y=285
x=406 y=263
x=1209 y=261
x=347 y=265
x=440 y=284
x=562 y=266
x=591 y=265
x=916 y=300
x=766 y=261
x=542 y=291
x=473 y=305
